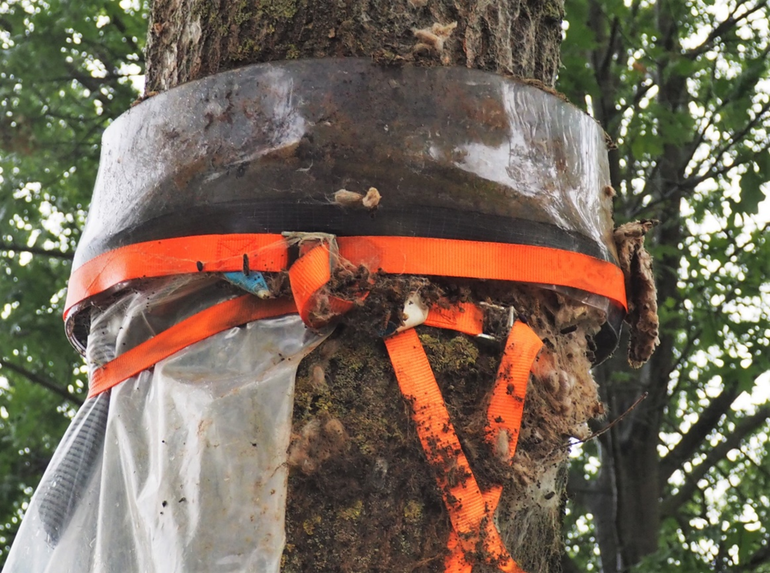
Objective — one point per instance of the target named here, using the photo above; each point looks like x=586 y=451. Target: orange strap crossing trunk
x=471 y=511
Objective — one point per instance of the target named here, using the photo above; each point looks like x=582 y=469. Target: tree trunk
x=626 y=498
x=361 y=495
x=191 y=39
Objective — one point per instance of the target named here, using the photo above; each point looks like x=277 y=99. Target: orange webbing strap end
x=177 y=256
x=456 y=560
x=309 y=276
x=213 y=320
x=507 y=403
x=470 y=511
x=463 y=317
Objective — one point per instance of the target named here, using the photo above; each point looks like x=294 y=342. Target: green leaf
x=748 y=543
x=752 y=194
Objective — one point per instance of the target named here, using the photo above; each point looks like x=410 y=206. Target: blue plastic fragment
x=253 y=283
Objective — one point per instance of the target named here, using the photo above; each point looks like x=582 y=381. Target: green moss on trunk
x=362 y=496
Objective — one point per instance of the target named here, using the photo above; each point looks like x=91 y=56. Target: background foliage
x=65 y=72
x=682 y=481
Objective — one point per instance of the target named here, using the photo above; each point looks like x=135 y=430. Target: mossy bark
x=190 y=39
x=361 y=494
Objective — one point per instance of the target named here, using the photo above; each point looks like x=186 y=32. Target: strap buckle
x=498 y=321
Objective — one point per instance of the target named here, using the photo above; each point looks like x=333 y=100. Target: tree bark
x=191 y=39
x=361 y=494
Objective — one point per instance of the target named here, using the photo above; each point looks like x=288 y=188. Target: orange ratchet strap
x=471 y=511
x=507 y=403
x=213 y=320
x=393 y=255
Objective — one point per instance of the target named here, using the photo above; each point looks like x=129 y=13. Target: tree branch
x=692 y=440
x=121 y=26
x=78 y=76
x=745 y=427
x=40 y=381
x=713 y=172
x=741 y=135
x=722 y=28
x=35 y=251
x=607 y=60
x=684 y=353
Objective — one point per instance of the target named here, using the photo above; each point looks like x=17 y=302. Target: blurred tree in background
x=66 y=70
x=683 y=89
x=682 y=481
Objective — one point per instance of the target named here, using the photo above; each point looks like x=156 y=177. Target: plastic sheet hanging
x=179 y=469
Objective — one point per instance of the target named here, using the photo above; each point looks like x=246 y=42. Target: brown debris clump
x=640 y=288
x=320 y=438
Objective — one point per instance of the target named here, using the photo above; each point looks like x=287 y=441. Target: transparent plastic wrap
x=181 y=468
x=455 y=153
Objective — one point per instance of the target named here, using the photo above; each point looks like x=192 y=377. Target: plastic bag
x=181 y=468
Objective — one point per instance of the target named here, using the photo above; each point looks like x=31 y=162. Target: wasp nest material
x=640 y=288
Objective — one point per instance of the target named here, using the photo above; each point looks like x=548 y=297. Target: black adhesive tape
x=414 y=221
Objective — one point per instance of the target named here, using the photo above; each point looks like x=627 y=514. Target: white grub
x=372 y=198
x=502 y=447
x=544 y=370
x=334 y=431
x=381 y=467
x=318 y=379
x=432 y=39
x=299 y=455
x=315 y=444
x=444 y=30
x=347 y=198
x=566 y=383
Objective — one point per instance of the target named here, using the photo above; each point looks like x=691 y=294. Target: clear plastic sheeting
x=179 y=469
x=455 y=153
